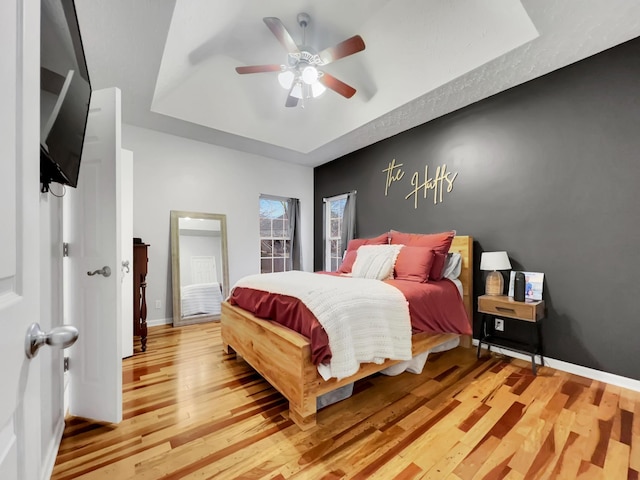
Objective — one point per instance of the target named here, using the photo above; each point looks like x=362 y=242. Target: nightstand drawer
x=503 y=306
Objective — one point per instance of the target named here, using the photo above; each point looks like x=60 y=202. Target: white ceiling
x=175 y=60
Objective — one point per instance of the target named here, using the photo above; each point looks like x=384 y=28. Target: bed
x=284 y=357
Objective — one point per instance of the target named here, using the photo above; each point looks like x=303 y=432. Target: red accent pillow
x=438 y=242
x=414 y=264
x=348 y=261
x=382 y=239
x=352 y=250
x=439 y=259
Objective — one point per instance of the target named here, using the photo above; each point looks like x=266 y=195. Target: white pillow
x=375 y=261
x=452 y=266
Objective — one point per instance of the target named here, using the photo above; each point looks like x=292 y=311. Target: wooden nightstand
x=500 y=306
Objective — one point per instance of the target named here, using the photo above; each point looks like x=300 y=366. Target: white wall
x=174 y=173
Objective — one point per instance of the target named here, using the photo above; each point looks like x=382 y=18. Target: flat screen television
x=65 y=92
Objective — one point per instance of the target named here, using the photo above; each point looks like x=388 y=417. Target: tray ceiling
x=174 y=61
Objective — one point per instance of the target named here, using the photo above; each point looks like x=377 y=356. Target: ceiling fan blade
x=258 y=69
x=348 y=47
x=282 y=34
x=291 y=101
x=336 y=85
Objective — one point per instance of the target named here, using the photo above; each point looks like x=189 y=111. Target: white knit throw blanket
x=366 y=320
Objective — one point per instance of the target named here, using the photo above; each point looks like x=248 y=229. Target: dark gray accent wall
x=547 y=171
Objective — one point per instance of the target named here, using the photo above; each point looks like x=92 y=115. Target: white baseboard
x=159 y=321
x=591 y=373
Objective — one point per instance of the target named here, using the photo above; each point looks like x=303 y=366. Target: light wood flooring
x=192 y=412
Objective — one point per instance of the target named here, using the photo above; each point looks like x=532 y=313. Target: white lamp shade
x=286 y=79
x=296 y=91
x=310 y=75
x=317 y=89
x=495 y=261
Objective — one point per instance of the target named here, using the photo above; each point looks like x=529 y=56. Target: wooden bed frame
x=283 y=357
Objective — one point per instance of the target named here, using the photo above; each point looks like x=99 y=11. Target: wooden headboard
x=463 y=244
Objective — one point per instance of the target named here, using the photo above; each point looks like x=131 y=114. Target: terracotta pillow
x=437 y=267
x=414 y=264
x=348 y=261
x=352 y=248
x=382 y=239
x=438 y=242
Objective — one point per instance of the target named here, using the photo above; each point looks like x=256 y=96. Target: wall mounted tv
x=65 y=92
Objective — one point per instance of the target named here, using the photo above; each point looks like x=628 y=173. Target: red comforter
x=433 y=307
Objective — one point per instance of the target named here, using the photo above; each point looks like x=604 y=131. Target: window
x=333 y=224
x=275 y=237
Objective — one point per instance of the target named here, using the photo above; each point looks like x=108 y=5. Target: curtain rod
x=324 y=199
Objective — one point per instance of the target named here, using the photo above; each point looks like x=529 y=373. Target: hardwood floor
x=192 y=412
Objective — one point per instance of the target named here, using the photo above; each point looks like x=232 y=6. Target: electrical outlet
x=499 y=325
x=158 y=304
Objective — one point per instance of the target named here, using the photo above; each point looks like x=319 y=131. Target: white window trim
x=326 y=212
x=287 y=239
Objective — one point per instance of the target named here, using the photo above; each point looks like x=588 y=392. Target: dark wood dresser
x=140 y=261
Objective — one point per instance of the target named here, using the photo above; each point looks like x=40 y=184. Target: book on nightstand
x=533 y=285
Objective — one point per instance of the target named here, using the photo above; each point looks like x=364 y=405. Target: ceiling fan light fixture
x=317 y=89
x=296 y=91
x=286 y=79
x=310 y=75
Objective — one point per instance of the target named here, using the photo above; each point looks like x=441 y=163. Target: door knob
x=106 y=271
x=61 y=337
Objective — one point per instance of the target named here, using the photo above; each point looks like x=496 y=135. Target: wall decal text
x=443 y=180
x=394 y=174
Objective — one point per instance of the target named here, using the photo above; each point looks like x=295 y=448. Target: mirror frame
x=176 y=215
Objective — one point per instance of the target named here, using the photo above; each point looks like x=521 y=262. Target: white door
x=126 y=162
x=93 y=303
x=20 y=432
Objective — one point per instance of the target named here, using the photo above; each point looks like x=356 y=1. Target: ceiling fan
x=301 y=76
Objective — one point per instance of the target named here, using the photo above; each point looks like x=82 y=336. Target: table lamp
x=492 y=262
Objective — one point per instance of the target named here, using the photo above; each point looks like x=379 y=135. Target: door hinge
x=65 y=249
x=66 y=364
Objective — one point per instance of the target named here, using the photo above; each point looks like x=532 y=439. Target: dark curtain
x=294 y=230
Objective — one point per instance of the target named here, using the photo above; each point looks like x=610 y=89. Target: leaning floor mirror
x=199 y=269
